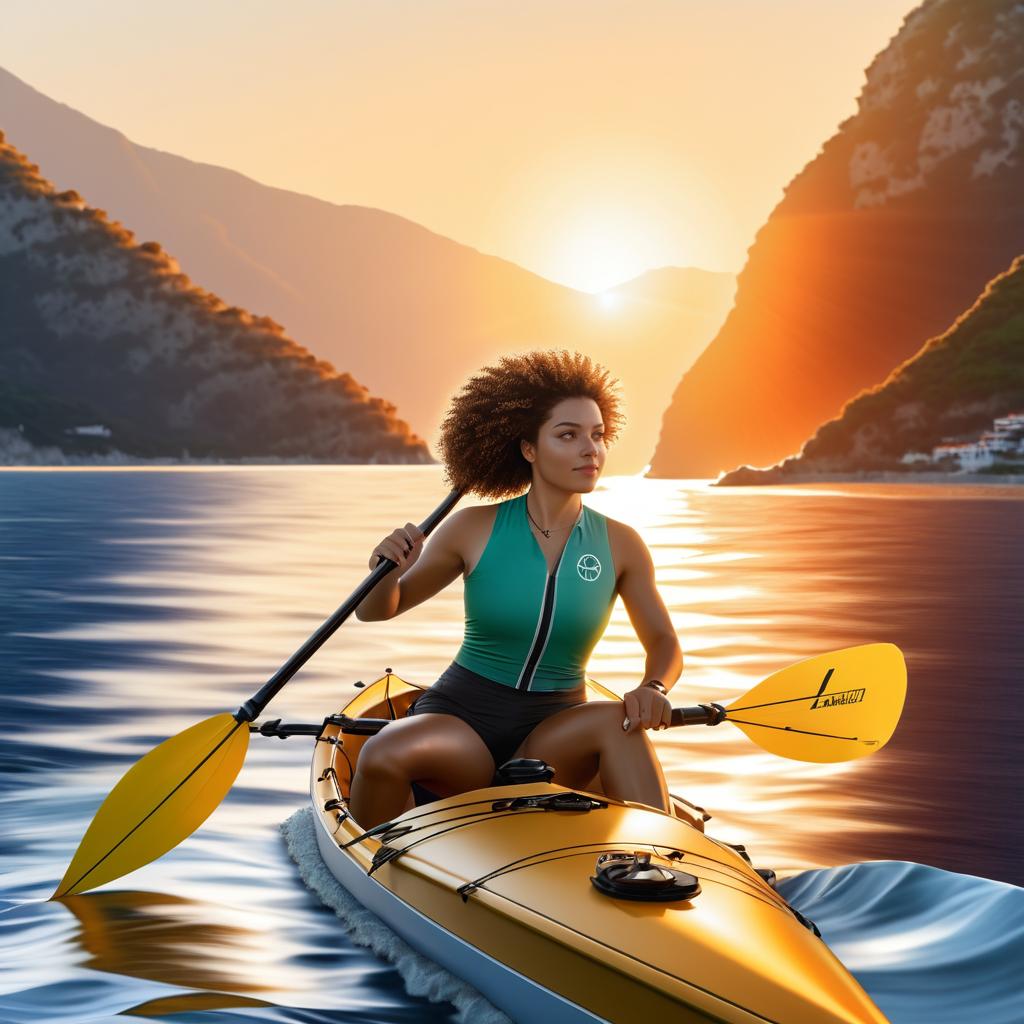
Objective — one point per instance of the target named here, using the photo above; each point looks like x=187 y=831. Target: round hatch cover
x=634 y=876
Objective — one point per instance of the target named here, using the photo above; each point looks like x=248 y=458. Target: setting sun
x=609 y=300
x=604 y=211
x=605 y=251
x=608 y=233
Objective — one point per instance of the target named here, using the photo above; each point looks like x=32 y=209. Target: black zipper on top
x=542 y=634
x=546 y=613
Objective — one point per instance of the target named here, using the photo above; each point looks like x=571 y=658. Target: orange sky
x=586 y=140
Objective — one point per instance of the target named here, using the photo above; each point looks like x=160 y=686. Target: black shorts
x=501 y=715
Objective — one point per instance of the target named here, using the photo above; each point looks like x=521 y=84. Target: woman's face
x=570 y=451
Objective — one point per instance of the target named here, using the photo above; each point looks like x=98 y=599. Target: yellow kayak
x=568 y=906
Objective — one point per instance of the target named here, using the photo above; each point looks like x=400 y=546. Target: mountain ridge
x=97 y=321
x=411 y=313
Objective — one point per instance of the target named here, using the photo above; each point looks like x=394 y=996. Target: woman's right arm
x=423 y=572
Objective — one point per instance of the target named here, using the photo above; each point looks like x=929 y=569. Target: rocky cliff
x=880 y=241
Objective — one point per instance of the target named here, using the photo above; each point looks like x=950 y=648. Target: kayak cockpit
x=390 y=697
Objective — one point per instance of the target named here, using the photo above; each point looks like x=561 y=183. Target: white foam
x=422 y=977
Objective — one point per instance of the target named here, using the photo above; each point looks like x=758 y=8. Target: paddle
x=172 y=790
x=832 y=707
x=837 y=706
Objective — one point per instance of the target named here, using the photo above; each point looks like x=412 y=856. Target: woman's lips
x=591 y=470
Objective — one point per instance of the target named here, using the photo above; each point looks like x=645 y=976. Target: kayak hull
x=510 y=991
x=503 y=899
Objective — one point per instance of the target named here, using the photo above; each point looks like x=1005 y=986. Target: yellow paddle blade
x=597 y=691
x=833 y=707
x=162 y=799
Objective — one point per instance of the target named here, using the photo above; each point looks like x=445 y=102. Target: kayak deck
x=510 y=877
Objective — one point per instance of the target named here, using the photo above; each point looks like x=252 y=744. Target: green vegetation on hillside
x=957 y=384
x=100 y=329
x=954 y=387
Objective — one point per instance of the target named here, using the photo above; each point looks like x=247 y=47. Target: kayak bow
x=568 y=906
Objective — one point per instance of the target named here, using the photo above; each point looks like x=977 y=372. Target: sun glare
x=602 y=257
x=609 y=300
x=602 y=241
x=607 y=209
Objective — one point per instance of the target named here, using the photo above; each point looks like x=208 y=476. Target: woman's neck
x=553 y=509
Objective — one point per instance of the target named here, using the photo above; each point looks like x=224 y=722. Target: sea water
x=136 y=602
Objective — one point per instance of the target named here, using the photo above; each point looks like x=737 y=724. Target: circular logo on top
x=589 y=567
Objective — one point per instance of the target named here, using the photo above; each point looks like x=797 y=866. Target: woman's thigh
x=441 y=752
x=571 y=740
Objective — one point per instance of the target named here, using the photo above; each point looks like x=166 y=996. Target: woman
x=542 y=572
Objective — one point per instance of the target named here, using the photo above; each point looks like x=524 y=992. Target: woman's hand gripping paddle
x=172 y=790
x=833 y=707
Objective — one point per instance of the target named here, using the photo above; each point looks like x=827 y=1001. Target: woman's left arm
x=645 y=707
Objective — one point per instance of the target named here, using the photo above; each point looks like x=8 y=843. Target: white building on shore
x=93 y=430
x=1005 y=441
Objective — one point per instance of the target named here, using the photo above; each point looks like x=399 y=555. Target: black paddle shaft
x=254 y=705
x=702 y=714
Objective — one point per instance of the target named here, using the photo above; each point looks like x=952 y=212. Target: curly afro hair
x=509 y=402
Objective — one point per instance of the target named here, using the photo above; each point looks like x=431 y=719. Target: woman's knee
x=604 y=727
x=612 y=731
x=566 y=739
x=594 y=728
x=597 y=733
x=439 y=747
x=453 y=757
x=381 y=756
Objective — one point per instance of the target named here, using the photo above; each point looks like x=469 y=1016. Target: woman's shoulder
x=482 y=513
x=462 y=520
x=627 y=546
x=472 y=517
x=471 y=520
x=469 y=531
x=620 y=530
x=479 y=513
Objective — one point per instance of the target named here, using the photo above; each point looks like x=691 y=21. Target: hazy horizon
x=587 y=142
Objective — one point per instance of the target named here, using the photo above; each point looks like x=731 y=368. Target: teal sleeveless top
x=527 y=628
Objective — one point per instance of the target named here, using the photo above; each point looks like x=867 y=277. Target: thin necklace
x=547 y=533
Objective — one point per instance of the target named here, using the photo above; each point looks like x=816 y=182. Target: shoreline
x=54 y=459
x=212 y=464
x=253 y=462
x=875 y=477
x=18 y=453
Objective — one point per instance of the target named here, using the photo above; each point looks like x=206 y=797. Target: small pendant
x=547 y=533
